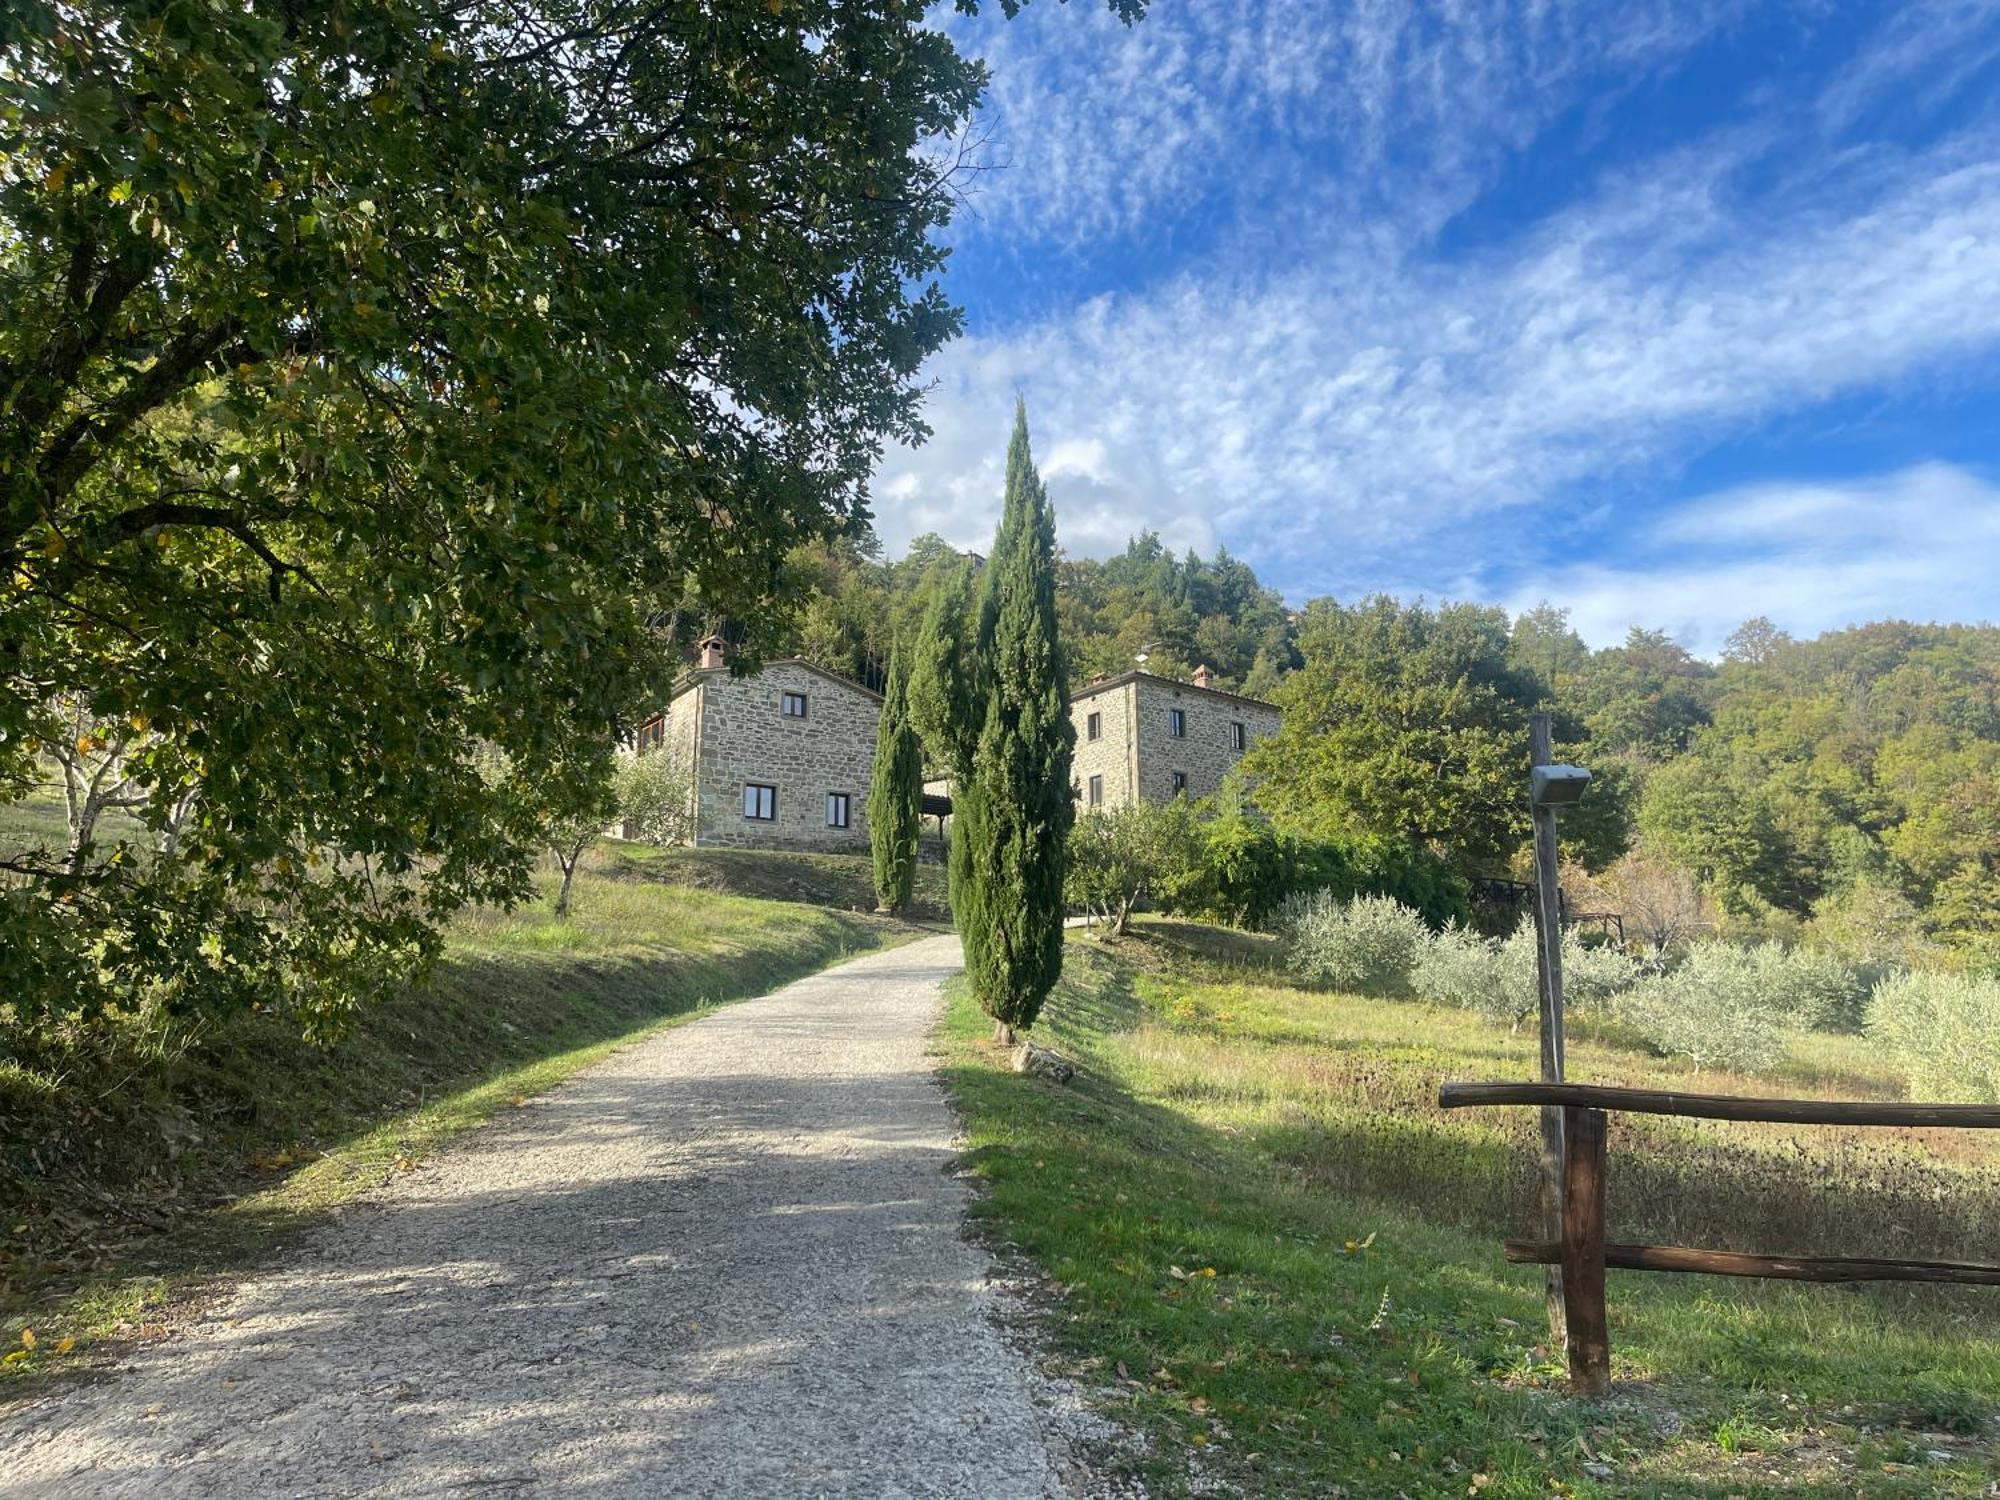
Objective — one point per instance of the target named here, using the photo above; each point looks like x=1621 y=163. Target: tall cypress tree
x=948 y=701
x=1015 y=812
x=895 y=795
x=946 y=685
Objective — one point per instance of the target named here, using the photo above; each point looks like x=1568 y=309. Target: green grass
x=136 y=1164
x=1284 y=1263
x=839 y=881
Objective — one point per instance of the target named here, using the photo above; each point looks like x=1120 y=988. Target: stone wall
x=1207 y=752
x=744 y=737
x=1136 y=751
x=1110 y=755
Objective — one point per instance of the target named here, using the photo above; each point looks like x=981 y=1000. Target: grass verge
x=139 y=1168
x=1282 y=1325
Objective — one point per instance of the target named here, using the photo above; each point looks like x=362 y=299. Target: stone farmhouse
x=1145 y=738
x=782 y=759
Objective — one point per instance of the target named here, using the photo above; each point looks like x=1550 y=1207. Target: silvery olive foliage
x=1943 y=1030
x=1368 y=943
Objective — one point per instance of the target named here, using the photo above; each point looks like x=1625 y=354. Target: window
x=1093 y=727
x=1239 y=737
x=794 y=705
x=760 y=802
x=1177 y=723
x=1180 y=783
x=836 y=809
x=1097 y=791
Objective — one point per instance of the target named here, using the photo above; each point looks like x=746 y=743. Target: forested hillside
x=1179 y=612
x=1847 y=785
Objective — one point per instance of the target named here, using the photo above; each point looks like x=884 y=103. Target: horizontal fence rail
x=1583 y=1252
x=1720 y=1106
x=1773 y=1267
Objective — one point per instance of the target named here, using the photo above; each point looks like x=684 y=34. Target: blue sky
x=1671 y=313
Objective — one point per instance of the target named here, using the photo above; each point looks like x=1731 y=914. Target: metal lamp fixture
x=1557 y=786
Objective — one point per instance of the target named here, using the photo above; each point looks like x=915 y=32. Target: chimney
x=1201 y=676
x=711 y=648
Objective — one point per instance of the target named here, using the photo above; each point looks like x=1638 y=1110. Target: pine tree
x=895 y=795
x=1015 y=809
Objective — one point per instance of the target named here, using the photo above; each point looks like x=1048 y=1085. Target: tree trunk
x=1003 y=1033
x=568 y=874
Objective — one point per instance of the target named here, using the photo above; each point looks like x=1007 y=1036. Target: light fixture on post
x=1556 y=786
x=1550 y=786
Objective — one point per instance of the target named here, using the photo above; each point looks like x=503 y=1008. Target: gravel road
x=727 y=1261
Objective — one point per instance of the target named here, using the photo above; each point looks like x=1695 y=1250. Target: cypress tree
x=946 y=687
x=947 y=702
x=1015 y=811
x=895 y=795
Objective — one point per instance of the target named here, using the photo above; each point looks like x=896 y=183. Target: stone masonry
x=1136 y=751
x=733 y=732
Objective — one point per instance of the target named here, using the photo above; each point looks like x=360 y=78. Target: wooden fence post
x=1587 y=1330
x=1548 y=976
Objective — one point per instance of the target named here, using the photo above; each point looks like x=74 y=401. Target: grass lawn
x=839 y=881
x=134 y=1168
x=1284 y=1262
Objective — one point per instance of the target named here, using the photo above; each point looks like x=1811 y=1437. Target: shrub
x=1810 y=987
x=656 y=797
x=1253 y=869
x=1176 y=839
x=1594 y=974
x=1464 y=968
x=1370 y=942
x=1713 y=1010
x=1943 y=1031
x=1498 y=979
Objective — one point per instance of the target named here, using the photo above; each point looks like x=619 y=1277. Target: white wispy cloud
x=1359 y=409
x=1366 y=407
x=1104 y=127
x=1917 y=544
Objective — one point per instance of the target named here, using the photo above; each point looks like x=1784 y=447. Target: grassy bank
x=139 y=1161
x=842 y=882
x=1265 y=1239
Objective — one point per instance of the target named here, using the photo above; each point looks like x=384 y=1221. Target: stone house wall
x=742 y=736
x=1112 y=755
x=1137 y=752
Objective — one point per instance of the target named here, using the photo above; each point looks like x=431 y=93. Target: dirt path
x=726 y=1262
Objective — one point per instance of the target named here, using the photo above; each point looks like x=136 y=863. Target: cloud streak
x=1917 y=544
x=1366 y=409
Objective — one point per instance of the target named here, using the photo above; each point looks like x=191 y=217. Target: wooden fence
x=1583 y=1252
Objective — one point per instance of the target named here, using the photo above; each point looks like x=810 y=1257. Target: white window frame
x=1177 y=723
x=1093 y=792
x=846 y=803
x=1093 y=726
x=753 y=803
x=785 y=701
x=1239 y=734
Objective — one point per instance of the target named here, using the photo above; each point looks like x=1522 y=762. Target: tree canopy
x=370 y=374
x=1407 y=723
